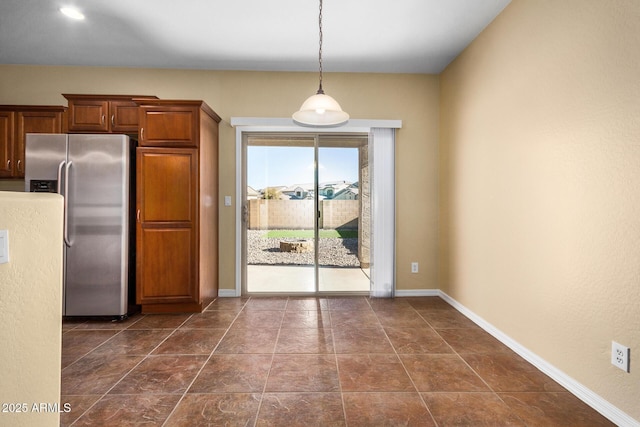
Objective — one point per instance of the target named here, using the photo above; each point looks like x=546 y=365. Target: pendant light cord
x=320 y=91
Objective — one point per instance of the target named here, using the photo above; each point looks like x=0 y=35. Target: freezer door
x=43 y=155
x=97 y=225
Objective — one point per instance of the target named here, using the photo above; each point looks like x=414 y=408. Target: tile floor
x=338 y=361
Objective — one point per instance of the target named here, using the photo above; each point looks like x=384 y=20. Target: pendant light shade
x=320 y=109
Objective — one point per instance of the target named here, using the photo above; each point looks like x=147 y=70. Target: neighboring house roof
x=347 y=193
x=326 y=190
x=294 y=187
x=251 y=192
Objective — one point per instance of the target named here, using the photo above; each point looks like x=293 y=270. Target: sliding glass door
x=305 y=220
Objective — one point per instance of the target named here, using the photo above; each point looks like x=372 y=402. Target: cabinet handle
x=113 y=120
x=102 y=119
x=138 y=216
x=141 y=134
x=8 y=165
x=18 y=164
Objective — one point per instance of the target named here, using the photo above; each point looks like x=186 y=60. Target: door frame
x=281 y=126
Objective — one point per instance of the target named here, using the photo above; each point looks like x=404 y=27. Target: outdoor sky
x=284 y=166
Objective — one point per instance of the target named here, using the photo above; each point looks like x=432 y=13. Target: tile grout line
x=273 y=355
x=205 y=362
x=99 y=345
x=130 y=370
x=86 y=354
x=335 y=356
x=495 y=393
x=433 y=418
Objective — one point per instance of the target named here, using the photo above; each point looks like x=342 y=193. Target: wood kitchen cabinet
x=103 y=113
x=16 y=121
x=177 y=206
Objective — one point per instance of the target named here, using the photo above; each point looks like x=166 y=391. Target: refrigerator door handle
x=66 y=203
x=60 y=166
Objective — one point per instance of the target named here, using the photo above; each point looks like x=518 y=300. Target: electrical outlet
x=620 y=356
x=414 y=267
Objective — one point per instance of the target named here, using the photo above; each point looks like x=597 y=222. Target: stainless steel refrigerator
x=92 y=172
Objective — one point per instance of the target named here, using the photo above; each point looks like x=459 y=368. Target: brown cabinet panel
x=124 y=116
x=15 y=122
x=166 y=265
x=168 y=127
x=103 y=113
x=167 y=184
x=33 y=122
x=6 y=143
x=88 y=116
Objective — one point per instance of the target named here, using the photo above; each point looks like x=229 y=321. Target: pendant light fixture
x=320 y=109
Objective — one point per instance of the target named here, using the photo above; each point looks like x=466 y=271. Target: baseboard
x=227 y=293
x=418 y=293
x=592 y=399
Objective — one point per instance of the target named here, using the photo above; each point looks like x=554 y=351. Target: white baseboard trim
x=418 y=293
x=227 y=293
x=592 y=399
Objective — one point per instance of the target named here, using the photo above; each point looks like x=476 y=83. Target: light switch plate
x=4 y=246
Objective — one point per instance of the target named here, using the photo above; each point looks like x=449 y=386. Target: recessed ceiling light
x=72 y=13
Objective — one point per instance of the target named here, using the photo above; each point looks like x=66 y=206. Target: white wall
x=31 y=307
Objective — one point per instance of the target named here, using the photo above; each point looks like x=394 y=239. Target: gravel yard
x=335 y=252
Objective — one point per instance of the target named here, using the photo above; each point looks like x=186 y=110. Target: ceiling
x=399 y=36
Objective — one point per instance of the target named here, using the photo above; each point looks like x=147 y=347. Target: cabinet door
x=124 y=116
x=88 y=115
x=164 y=126
x=166 y=265
x=166 y=228
x=33 y=122
x=6 y=144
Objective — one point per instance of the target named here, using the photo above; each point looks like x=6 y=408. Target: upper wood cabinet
x=103 y=113
x=16 y=121
x=171 y=123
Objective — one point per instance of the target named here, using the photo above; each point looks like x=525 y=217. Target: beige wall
x=410 y=98
x=540 y=205
x=31 y=307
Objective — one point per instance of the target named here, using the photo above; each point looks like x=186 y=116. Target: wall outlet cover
x=620 y=356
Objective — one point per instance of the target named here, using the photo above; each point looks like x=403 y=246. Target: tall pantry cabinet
x=177 y=206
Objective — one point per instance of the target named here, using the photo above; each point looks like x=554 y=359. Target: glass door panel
x=343 y=223
x=279 y=215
